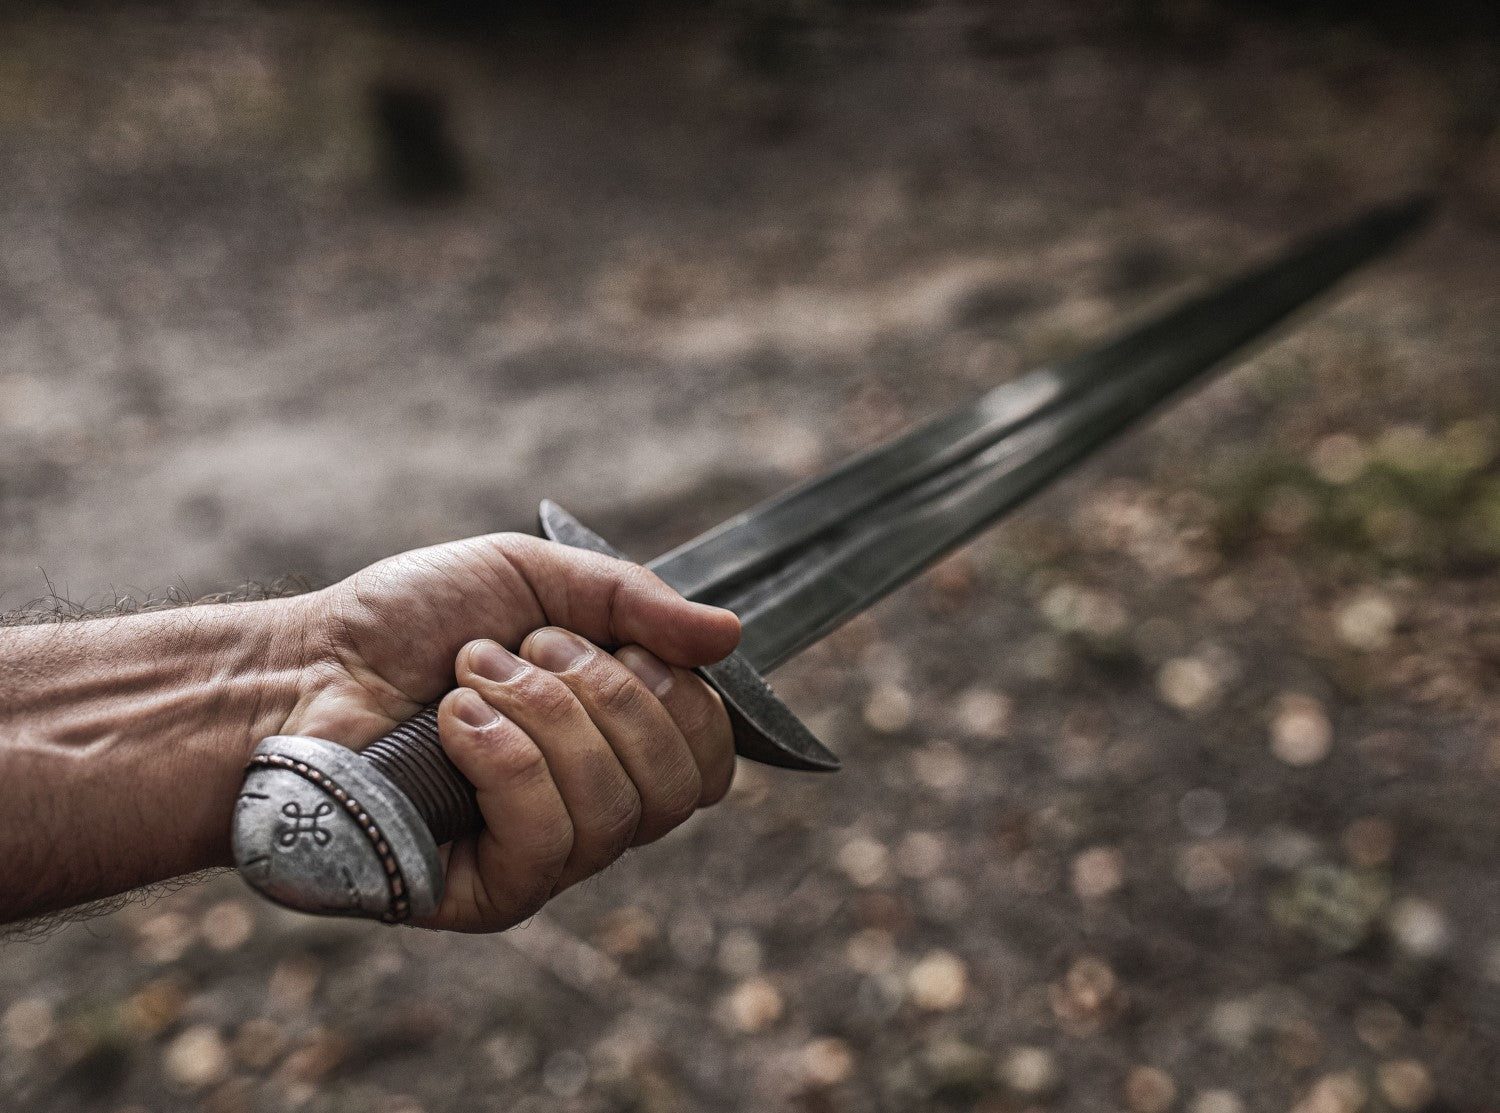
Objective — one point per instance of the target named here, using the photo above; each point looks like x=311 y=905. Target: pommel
x=319 y=828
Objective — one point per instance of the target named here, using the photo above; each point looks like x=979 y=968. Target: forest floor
x=1178 y=791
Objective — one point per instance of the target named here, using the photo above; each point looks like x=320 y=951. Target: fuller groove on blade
x=800 y=564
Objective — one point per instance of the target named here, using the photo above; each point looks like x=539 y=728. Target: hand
x=576 y=753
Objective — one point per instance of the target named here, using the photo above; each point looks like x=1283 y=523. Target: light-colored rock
x=938 y=982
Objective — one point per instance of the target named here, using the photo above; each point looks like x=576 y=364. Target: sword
x=793 y=568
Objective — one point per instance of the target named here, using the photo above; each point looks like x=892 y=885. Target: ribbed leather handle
x=412 y=758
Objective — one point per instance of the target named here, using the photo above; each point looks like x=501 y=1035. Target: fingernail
x=493 y=661
x=556 y=650
x=472 y=709
x=652 y=672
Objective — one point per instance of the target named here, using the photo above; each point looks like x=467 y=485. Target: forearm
x=122 y=741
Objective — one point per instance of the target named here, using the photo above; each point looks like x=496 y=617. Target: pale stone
x=889 y=709
x=1189 y=684
x=227 y=925
x=864 y=861
x=739 y=954
x=1301 y=734
x=1098 y=872
x=871 y=951
x=1149 y=1090
x=827 y=1062
x=164 y=938
x=939 y=765
x=753 y=1005
x=1216 y=1101
x=984 y=713
x=1030 y=1072
x=920 y=855
x=1342 y=1092
x=198 y=1057
x=28 y=1024
x=1406 y=1084
x=1419 y=927
x=1367 y=622
x=1339 y=458
x=939 y=982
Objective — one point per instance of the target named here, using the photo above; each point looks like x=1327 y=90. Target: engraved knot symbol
x=305 y=823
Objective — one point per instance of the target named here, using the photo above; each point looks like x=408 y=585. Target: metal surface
x=799 y=565
x=319 y=829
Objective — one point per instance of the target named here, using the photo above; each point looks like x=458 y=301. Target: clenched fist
x=122 y=741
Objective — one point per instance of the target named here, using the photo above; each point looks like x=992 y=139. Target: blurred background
x=1178 y=791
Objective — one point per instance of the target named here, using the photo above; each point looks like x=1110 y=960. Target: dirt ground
x=1178 y=791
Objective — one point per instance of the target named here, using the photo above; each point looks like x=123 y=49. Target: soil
x=1179 y=790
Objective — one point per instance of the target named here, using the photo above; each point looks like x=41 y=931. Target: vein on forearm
x=121 y=744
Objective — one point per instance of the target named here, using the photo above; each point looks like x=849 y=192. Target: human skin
x=123 y=739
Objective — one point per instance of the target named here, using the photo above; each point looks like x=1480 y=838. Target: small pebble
x=1301 y=734
x=626 y=932
x=984 y=713
x=739 y=954
x=1149 y=1090
x=1098 y=872
x=28 y=1024
x=920 y=855
x=154 y=1007
x=864 y=861
x=258 y=1043
x=1216 y=1101
x=1204 y=875
x=1030 y=1072
x=227 y=925
x=939 y=982
x=510 y=1055
x=871 y=950
x=957 y=1069
x=827 y=1062
x=164 y=938
x=1406 y=1084
x=940 y=765
x=1342 y=1092
x=1339 y=458
x=1419 y=927
x=889 y=709
x=1367 y=623
x=753 y=1005
x=197 y=1058
x=293 y=983
x=1189 y=684
x=1233 y=1023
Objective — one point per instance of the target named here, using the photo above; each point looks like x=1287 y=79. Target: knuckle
x=612 y=827
x=617 y=693
x=674 y=797
x=510 y=754
x=547 y=850
x=700 y=713
x=545 y=696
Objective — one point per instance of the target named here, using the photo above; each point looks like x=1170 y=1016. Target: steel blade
x=1212 y=326
x=834 y=549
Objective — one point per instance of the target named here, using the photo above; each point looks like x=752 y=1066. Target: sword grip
x=412 y=758
x=322 y=828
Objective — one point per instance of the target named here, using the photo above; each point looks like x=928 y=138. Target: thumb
x=614 y=602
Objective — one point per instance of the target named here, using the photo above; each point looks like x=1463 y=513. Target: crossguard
x=325 y=829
